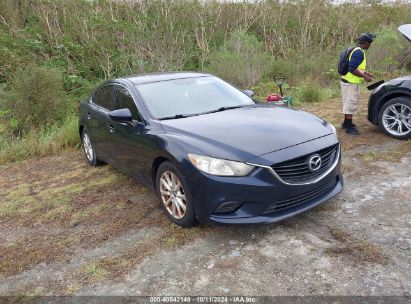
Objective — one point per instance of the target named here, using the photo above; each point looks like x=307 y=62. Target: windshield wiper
x=229 y=108
x=177 y=116
x=202 y=113
x=223 y=109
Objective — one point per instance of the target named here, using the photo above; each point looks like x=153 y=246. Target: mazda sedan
x=209 y=151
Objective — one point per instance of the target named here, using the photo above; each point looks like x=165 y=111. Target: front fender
x=378 y=100
x=174 y=148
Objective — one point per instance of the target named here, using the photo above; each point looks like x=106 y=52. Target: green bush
x=242 y=60
x=7 y=123
x=263 y=89
x=386 y=52
x=282 y=67
x=38 y=100
x=309 y=93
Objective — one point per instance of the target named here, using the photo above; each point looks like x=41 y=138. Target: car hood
x=244 y=133
x=404 y=81
x=405 y=29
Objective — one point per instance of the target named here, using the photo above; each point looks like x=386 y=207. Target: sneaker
x=343 y=125
x=352 y=131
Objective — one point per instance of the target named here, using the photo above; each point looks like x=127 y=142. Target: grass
x=170 y=241
x=26 y=252
x=15 y=200
x=58 y=212
x=339 y=234
x=393 y=155
x=329 y=206
x=93 y=272
x=36 y=143
x=359 y=250
x=73 y=205
x=177 y=236
x=52 y=203
x=51 y=199
x=84 y=214
x=114 y=267
x=73 y=287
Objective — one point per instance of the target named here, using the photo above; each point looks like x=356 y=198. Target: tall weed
x=50 y=141
x=386 y=52
x=39 y=98
x=242 y=60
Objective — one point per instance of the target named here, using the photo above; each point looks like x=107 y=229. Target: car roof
x=163 y=76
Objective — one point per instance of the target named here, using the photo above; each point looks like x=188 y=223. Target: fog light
x=228 y=207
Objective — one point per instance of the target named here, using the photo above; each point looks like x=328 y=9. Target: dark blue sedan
x=210 y=152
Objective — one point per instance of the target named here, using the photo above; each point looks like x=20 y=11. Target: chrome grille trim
x=308 y=182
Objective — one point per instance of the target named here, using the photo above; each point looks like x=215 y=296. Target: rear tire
x=88 y=149
x=174 y=195
x=394 y=118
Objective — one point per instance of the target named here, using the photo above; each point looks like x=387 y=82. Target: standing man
x=350 y=82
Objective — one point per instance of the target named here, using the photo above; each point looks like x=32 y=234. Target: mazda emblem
x=314 y=163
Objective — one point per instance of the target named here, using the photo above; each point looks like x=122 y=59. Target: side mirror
x=121 y=115
x=249 y=93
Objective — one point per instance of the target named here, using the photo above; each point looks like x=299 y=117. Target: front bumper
x=282 y=214
x=258 y=193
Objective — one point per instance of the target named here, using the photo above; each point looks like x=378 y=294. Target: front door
x=132 y=144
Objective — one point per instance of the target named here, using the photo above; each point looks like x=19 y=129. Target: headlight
x=218 y=166
x=333 y=129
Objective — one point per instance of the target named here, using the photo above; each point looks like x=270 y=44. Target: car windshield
x=180 y=98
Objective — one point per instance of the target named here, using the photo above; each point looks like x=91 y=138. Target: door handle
x=111 y=128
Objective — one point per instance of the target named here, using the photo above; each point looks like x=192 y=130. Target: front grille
x=297 y=170
x=292 y=202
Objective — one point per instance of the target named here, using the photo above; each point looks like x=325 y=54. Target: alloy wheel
x=173 y=195
x=88 y=148
x=396 y=119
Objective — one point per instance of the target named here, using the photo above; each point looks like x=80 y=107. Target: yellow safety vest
x=350 y=77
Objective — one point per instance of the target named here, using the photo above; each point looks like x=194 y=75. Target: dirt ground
x=69 y=229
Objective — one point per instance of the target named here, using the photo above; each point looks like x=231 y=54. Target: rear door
x=97 y=116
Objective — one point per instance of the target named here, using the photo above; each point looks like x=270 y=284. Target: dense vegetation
x=53 y=51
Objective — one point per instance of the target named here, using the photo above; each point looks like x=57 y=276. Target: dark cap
x=366 y=37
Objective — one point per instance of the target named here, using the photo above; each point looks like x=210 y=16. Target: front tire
x=394 y=118
x=88 y=149
x=174 y=195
